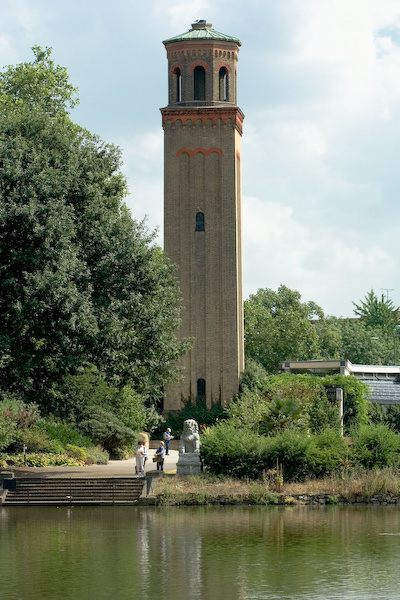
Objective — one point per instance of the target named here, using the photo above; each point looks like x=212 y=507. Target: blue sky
x=319 y=83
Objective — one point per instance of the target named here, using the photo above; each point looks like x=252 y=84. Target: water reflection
x=274 y=553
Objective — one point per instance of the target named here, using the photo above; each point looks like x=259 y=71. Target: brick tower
x=202 y=210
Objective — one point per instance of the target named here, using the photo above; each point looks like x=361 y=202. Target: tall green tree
x=278 y=327
x=80 y=280
x=377 y=312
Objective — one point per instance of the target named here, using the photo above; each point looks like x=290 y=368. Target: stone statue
x=190 y=439
x=189 y=462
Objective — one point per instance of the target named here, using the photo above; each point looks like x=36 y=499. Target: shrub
x=377 y=414
x=76 y=452
x=96 y=455
x=106 y=429
x=24 y=415
x=290 y=450
x=40 y=460
x=254 y=377
x=248 y=410
x=33 y=438
x=392 y=418
x=130 y=409
x=327 y=454
x=375 y=446
x=323 y=415
x=7 y=432
x=63 y=432
x=198 y=412
x=356 y=402
x=227 y=450
x=284 y=414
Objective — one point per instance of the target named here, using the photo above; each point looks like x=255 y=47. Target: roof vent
x=201 y=24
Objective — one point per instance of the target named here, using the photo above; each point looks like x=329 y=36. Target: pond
x=150 y=553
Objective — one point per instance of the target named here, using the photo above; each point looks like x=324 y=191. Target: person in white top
x=140 y=452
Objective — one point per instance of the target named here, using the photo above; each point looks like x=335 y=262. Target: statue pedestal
x=188 y=464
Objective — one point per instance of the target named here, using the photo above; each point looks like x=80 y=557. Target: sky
x=319 y=84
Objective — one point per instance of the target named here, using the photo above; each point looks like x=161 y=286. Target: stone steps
x=40 y=490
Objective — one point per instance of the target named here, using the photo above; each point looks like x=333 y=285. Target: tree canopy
x=377 y=312
x=278 y=327
x=80 y=281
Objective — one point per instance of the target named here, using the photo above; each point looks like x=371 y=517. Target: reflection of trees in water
x=212 y=554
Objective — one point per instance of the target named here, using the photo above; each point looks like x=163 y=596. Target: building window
x=201 y=389
x=200 y=224
x=223 y=84
x=199 y=75
x=178 y=94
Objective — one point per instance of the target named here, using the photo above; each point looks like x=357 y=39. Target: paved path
x=114 y=468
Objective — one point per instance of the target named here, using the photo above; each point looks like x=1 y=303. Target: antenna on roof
x=387 y=290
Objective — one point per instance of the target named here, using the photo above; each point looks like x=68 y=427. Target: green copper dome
x=201 y=30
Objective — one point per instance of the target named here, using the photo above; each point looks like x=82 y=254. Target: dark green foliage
x=278 y=327
x=375 y=446
x=355 y=395
x=392 y=418
x=254 y=377
x=389 y=415
x=323 y=415
x=227 y=450
x=40 y=83
x=327 y=454
x=283 y=414
x=80 y=281
x=377 y=413
x=291 y=401
x=64 y=433
x=34 y=440
x=104 y=428
x=204 y=417
x=249 y=410
x=7 y=431
x=377 y=312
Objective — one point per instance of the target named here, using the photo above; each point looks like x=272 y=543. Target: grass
x=345 y=487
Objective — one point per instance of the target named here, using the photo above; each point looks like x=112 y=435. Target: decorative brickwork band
x=176 y=66
x=204 y=114
x=204 y=151
x=199 y=63
x=223 y=64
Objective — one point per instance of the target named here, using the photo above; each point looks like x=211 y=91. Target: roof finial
x=201 y=24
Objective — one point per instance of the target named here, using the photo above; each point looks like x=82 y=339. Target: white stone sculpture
x=189 y=462
x=190 y=439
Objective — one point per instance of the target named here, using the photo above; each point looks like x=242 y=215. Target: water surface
x=274 y=553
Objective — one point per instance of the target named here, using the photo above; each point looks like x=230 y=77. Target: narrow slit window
x=223 y=84
x=200 y=223
x=178 y=76
x=201 y=388
x=199 y=83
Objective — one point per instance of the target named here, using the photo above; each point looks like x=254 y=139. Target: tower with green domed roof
x=202 y=210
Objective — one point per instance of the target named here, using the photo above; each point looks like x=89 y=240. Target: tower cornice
x=204 y=114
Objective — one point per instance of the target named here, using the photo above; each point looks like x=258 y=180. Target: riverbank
x=369 y=487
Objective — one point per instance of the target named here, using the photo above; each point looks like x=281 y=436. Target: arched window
x=199 y=75
x=200 y=224
x=201 y=388
x=178 y=90
x=223 y=84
